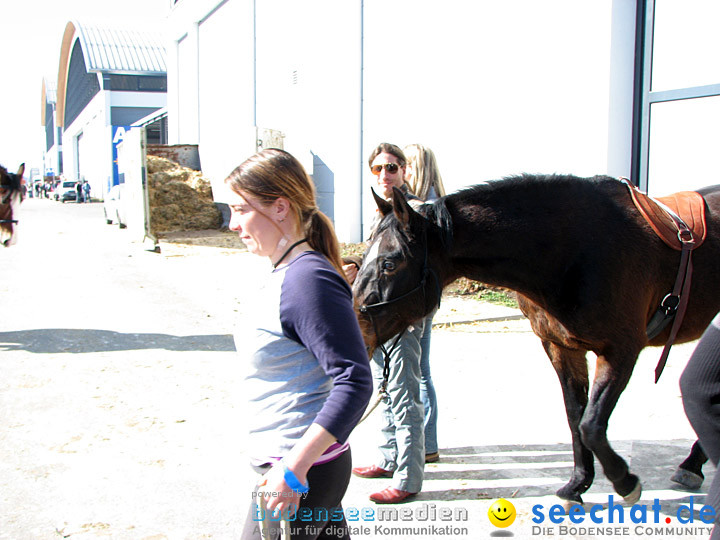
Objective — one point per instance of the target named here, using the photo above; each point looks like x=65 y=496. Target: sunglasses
x=390 y=168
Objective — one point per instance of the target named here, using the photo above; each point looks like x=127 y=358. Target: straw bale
x=159 y=164
x=180 y=199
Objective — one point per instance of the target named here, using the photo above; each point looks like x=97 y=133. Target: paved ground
x=120 y=416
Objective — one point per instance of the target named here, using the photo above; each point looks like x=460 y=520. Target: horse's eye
x=388 y=266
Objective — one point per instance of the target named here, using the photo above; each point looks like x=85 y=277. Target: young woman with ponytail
x=307 y=377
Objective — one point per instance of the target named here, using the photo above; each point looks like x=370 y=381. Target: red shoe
x=373 y=471
x=390 y=496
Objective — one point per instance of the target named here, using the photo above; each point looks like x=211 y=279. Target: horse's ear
x=384 y=206
x=21 y=170
x=401 y=208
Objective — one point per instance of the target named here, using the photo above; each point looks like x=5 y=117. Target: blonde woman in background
x=423 y=178
x=422 y=174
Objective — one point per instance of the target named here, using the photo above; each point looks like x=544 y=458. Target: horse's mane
x=437 y=214
x=523 y=182
x=527 y=186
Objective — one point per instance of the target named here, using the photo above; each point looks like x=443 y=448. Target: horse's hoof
x=634 y=496
x=569 y=497
x=687 y=479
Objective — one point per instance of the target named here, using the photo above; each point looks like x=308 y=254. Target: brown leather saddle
x=679 y=220
x=667 y=215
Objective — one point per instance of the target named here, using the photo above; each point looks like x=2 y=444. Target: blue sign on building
x=118 y=136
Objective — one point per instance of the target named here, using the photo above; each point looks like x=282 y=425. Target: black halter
x=367 y=309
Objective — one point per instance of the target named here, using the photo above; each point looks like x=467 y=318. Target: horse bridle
x=367 y=310
x=5 y=200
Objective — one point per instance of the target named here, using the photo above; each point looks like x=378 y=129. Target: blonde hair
x=275 y=173
x=427 y=174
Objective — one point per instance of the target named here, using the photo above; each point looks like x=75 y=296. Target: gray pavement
x=121 y=418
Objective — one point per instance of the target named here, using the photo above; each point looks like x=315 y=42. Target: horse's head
x=11 y=195
x=399 y=281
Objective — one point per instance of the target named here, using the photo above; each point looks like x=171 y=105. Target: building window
x=135 y=83
x=679 y=113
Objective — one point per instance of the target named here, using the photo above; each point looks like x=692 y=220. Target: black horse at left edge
x=589 y=272
x=11 y=195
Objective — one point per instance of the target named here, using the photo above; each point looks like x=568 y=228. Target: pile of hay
x=180 y=198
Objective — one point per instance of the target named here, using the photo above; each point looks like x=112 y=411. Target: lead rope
x=382 y=389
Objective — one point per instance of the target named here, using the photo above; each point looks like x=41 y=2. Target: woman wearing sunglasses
x=387 y=163
x=402 y=447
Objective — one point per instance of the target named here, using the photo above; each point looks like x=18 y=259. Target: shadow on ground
x=540 y=470
x=67 y=340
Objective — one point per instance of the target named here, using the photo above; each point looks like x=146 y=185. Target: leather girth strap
x=679 y=220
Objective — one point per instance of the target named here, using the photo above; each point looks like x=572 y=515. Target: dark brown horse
x=11 y=195
x=588 y=270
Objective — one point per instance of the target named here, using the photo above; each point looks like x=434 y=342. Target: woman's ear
x=281 y=209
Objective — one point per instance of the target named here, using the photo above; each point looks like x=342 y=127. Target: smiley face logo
x=502 y=513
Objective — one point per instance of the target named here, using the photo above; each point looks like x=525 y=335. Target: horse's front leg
x=571 y=368
x=610 y=381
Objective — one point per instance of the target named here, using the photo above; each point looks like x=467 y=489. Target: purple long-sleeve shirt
x=307 y=361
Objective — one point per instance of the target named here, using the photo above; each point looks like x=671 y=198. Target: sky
x=31 y=38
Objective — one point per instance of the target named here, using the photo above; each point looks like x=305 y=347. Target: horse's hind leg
x=571 y=368
x=689 y=474
x=609 y=383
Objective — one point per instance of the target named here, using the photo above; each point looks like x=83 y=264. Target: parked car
x=66 y=191
x=114 y=207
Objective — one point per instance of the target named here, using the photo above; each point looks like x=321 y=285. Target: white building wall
x=187 y=68
x=494 y=88
x=211 y=82
x=51 y=161
x=50 y=156
x=95 y=151
x=621 y=88
x=226 y=119
x=309 y=87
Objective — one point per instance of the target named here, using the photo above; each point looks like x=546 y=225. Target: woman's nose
x=234 y=224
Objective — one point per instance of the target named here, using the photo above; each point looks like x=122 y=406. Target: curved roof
x=49 y=95
x=112 y=50
x=109 y=50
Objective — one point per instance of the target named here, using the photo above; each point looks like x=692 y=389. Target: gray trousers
x=700 y=386
x=403 y=439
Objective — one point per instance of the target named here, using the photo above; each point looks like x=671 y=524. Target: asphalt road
x=120 y=416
